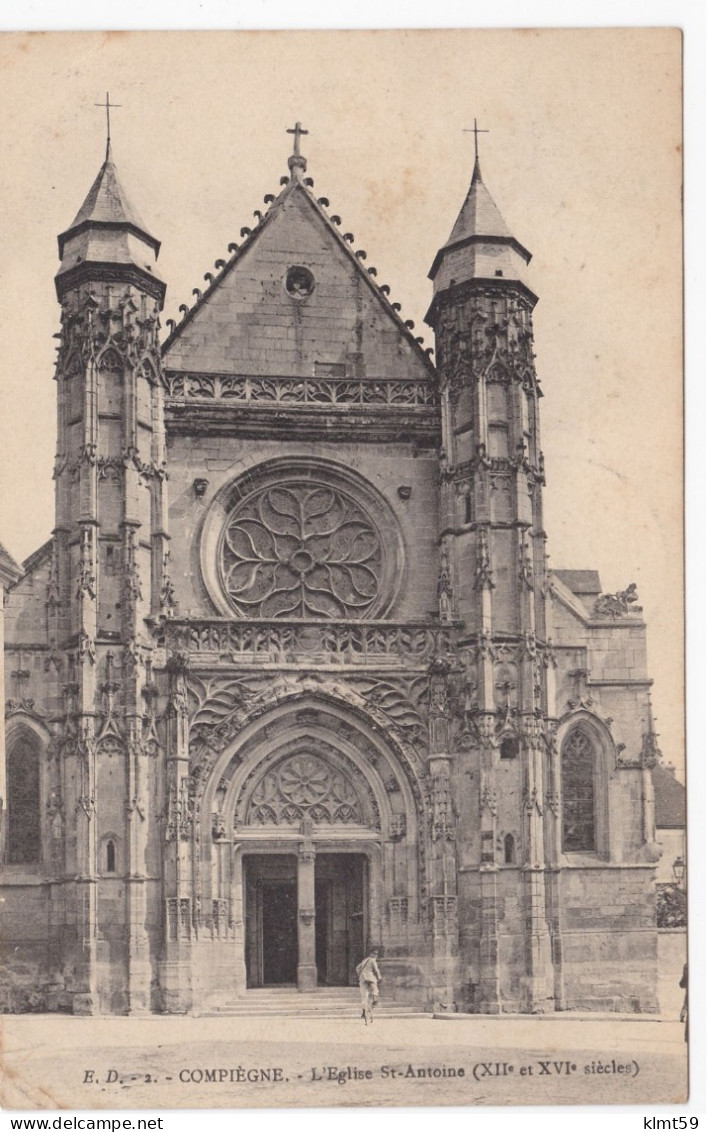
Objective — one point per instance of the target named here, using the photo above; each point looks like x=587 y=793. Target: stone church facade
x=293 y=675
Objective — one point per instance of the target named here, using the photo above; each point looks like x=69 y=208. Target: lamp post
x=679 y=871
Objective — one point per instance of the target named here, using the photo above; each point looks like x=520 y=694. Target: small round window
x=299 y=282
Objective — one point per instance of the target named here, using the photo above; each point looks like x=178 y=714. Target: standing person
x=683 y=1016
x=369 y=978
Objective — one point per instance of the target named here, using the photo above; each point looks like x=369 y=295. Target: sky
x=583 y=159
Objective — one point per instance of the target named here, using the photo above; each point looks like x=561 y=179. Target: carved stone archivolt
x=223 y=709
x=211 y=701
x=403 y=701
x=219 y=707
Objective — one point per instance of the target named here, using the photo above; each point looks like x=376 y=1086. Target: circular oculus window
x=299 y=282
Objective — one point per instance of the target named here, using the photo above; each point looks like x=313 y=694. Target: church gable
x=295 y=301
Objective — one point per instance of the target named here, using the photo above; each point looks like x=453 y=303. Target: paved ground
x=166 y=1062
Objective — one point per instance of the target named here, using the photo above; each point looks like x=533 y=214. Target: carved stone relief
x=617 y=604
x=305 y=786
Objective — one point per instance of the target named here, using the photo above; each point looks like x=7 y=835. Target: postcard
x=342 y=559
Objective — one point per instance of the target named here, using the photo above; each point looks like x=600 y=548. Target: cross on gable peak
x=298 y=130
x=296 y=162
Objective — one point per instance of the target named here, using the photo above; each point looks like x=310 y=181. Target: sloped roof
x=670 y=799
x=37 y=557
x=563 y=592
x=580 y=581
x=9 y=569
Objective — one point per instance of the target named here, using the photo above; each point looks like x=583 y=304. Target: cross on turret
x=108 y=105
x=475 y=130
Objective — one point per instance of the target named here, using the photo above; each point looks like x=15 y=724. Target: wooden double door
x=274 y=926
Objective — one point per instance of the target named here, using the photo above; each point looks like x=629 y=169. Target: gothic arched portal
x=310 y=836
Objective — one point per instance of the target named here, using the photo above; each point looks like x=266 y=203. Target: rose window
x=304 y=786
x=305 y=780
x=301 y=549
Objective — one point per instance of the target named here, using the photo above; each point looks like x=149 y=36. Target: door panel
x=279 y=904
x=339 y=912
x=270 y=886
x=323 y=905
x=271 y=918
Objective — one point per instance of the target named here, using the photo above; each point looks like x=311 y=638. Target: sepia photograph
x=341 y=568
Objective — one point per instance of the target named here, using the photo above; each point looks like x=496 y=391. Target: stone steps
x=288 y=1002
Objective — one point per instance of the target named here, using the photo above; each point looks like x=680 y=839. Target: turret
x=492 y=536
x=108 y=571
x=492 y=462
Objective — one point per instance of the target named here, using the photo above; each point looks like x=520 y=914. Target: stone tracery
x=304 y=786
x=298 y=549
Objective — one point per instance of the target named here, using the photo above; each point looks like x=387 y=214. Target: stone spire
x=108 y=234
x=480 y=244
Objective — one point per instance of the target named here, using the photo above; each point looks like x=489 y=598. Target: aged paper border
x=694 y=857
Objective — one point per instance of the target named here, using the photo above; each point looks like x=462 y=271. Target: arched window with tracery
x=578 y=793
x=23 y=802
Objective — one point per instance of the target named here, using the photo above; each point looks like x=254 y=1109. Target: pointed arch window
x=579 y=828
x=110 y=856
x=23 y=802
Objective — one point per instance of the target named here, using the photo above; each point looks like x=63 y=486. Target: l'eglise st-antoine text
x=343 y=1074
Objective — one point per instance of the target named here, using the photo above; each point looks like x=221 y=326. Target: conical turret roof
x=479 y=215
x=108 y=235
x=107 y=203
x=481 y=244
